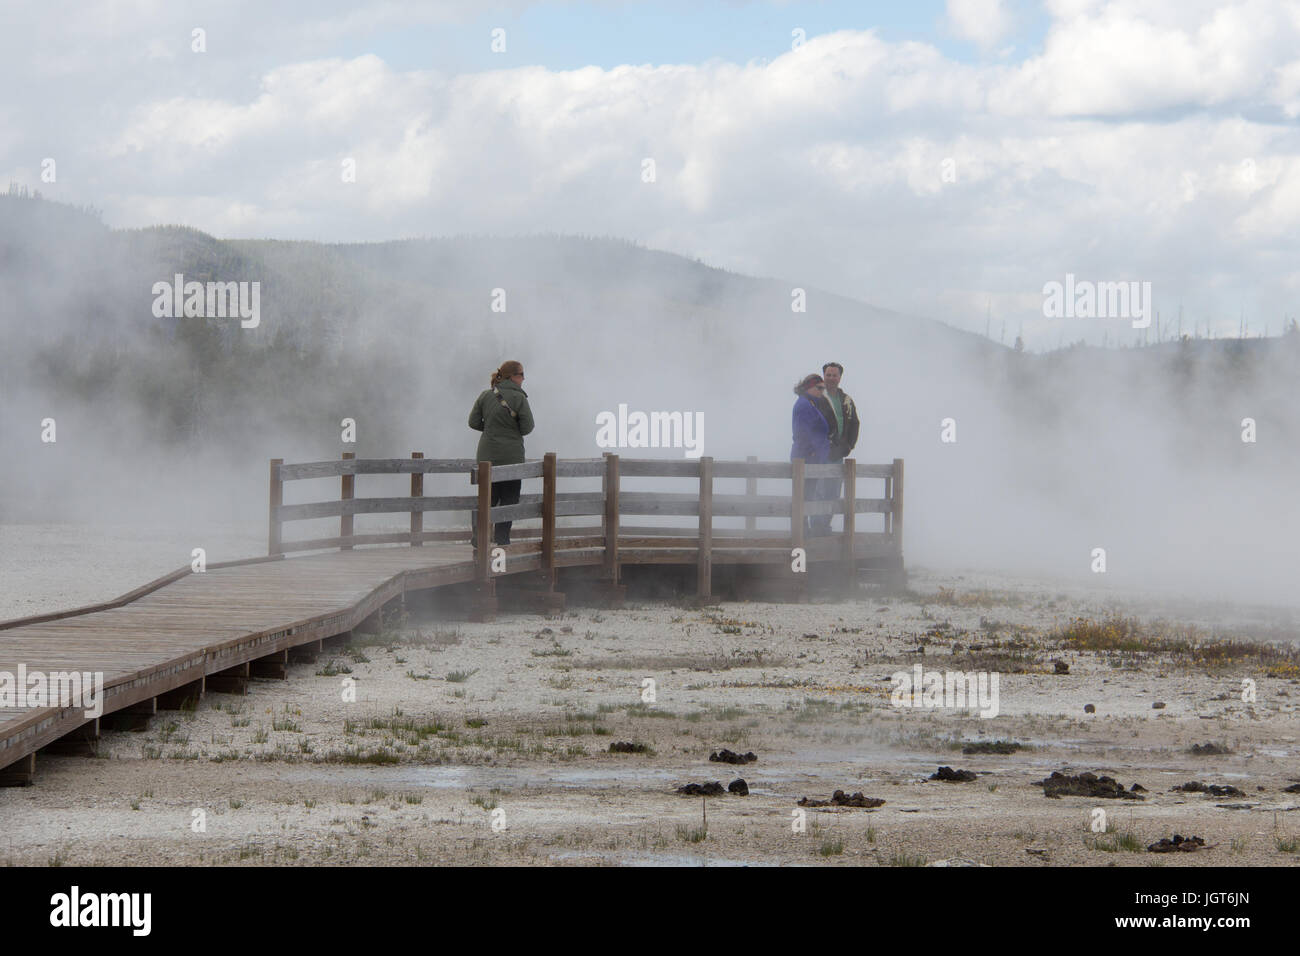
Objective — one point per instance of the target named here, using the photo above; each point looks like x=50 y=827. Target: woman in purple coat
x=812 y=443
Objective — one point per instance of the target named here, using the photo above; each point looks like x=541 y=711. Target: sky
x=946 y=159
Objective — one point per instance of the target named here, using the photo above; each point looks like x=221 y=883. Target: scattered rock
x=1089 y=708
x=1085 y=785
x=841 y=799
x=948 y=775
x=1061 y=667
x=1210 y=790
x=713 y=789
x=729 y=756
x=738 y=787
x=1179 y=844
x=1209 y=750
x=626 y=747
x=990 y=747
x=1158 y=705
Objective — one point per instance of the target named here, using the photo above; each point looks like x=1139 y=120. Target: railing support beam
x=704 y=575
x=275 y=528
x=346 y=493
x=417 y=491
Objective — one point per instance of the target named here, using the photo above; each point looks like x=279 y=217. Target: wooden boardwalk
x=165 y=644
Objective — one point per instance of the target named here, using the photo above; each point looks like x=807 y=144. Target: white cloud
x=1115 y=151
x=983 y=22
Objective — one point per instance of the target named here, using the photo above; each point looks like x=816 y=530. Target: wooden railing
x=611 y=504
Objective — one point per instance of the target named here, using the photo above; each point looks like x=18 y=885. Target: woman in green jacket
x=502 y=414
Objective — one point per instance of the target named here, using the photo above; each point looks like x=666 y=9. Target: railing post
x=889 y=496
x=704 y=579
x=796 y=504
x=417 y=491
x=345 y=521
x=275 y=527
x=751 y=489
x=611 y=518
x=850 y=515
x=548 y=517
x=482 y=534
x=896 y=509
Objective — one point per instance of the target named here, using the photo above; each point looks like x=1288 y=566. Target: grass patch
x=951 y=597
x=645 y=710
x=553 y=651
x=692 y=834
x=906 y=859
x=1119 y=635
x=831 y=848
x=1113 y=842
x=459 y=677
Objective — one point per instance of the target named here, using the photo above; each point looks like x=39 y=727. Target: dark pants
x=504 y=493
x=822 y=489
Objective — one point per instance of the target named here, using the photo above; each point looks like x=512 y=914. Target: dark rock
x=991 y=747
x=1089 y=708
x=713 y=789
x=1179 y=844
x=1085 y=785
x=1294 y=788
x=626 y=747
x=738 y=787
x=948 y=775
x=1158 y=705
x=841 y=799
x=1061 y=667
x=1137 y=788
x=1210 y=790
x=1208 y=750
x=729 y=756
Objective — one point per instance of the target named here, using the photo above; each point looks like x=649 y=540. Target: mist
x=171 y=421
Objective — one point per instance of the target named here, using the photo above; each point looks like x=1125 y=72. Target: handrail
x=610 y=503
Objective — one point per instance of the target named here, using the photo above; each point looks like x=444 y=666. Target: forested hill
x=401 y=335
x=371 y=329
